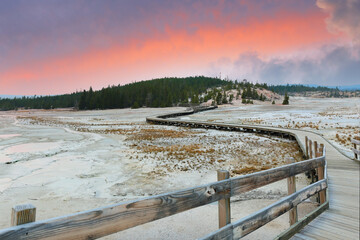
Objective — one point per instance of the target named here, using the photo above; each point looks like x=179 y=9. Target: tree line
x=299 y=88
x=162 y=92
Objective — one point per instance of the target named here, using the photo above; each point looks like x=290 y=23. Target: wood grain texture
x=320 y=172
x=103 y=221
x=225 y=233
x=21 y=214
x=255 y=180
x=307 y=146
x=310 y=149
x=291 y=184
x=224 y=204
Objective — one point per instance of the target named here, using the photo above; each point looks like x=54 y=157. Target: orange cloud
x=175 y=53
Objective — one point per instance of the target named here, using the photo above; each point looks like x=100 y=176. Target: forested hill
x=163 y=92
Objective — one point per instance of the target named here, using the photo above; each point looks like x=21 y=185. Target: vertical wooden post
x=307 y=146
x=224 y=204
x=291 y=184
x=22 y=214
x=321 y=150
x=355 y=154
x=320 y=172
x=310 y=149
x=315 y=147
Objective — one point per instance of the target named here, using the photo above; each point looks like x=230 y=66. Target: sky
x=63 y=46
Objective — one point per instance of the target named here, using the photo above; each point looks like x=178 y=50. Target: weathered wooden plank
x=291 y=184
x=338 y=226
x=300 y=236
x=224 y=204
x=225 y=233
x=341 y=221
x=22 y=214
x=320 y=172
x=303 y=222
x=322 y=149
x=318 y=233
x=252 y=222
x=310 y=149
x=252 y=181
x=103 y=221
x=355 y=141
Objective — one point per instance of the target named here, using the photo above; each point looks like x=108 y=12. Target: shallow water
x=6 y=136
x=32 y=147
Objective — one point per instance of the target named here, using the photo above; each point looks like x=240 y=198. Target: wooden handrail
x=107 y=220
x=252 y=222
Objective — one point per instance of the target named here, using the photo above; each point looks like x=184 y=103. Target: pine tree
x=231 y=98
x=219 y=99
x=286 y=99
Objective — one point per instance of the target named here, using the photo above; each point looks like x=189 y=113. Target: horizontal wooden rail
x=355 y=141
x=252 y=222
x=107 y=220
x=356 y=151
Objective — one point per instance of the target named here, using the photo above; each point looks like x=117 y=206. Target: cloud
x=39 y=29
x=344 y=16
x=337 y=66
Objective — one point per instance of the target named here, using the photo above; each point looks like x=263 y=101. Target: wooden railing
x=356 y=151
x=107 y=220
x=254 y=221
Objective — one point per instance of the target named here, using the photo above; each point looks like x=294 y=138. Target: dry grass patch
x=153 y=133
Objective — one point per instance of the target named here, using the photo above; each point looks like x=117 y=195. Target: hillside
x=163 y=92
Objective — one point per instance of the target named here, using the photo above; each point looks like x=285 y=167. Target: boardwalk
x=341 y=221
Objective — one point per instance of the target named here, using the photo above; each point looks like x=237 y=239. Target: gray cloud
x=337 y=66
x=344 y=16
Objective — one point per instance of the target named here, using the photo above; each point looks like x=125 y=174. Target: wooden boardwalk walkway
x=341 y=220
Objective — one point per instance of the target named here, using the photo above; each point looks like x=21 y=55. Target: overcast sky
x=60 y=46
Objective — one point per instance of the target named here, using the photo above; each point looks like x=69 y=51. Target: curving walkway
x=341 y=220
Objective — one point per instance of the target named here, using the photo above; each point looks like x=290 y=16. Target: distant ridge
x=342 y=88
x=347 y=88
